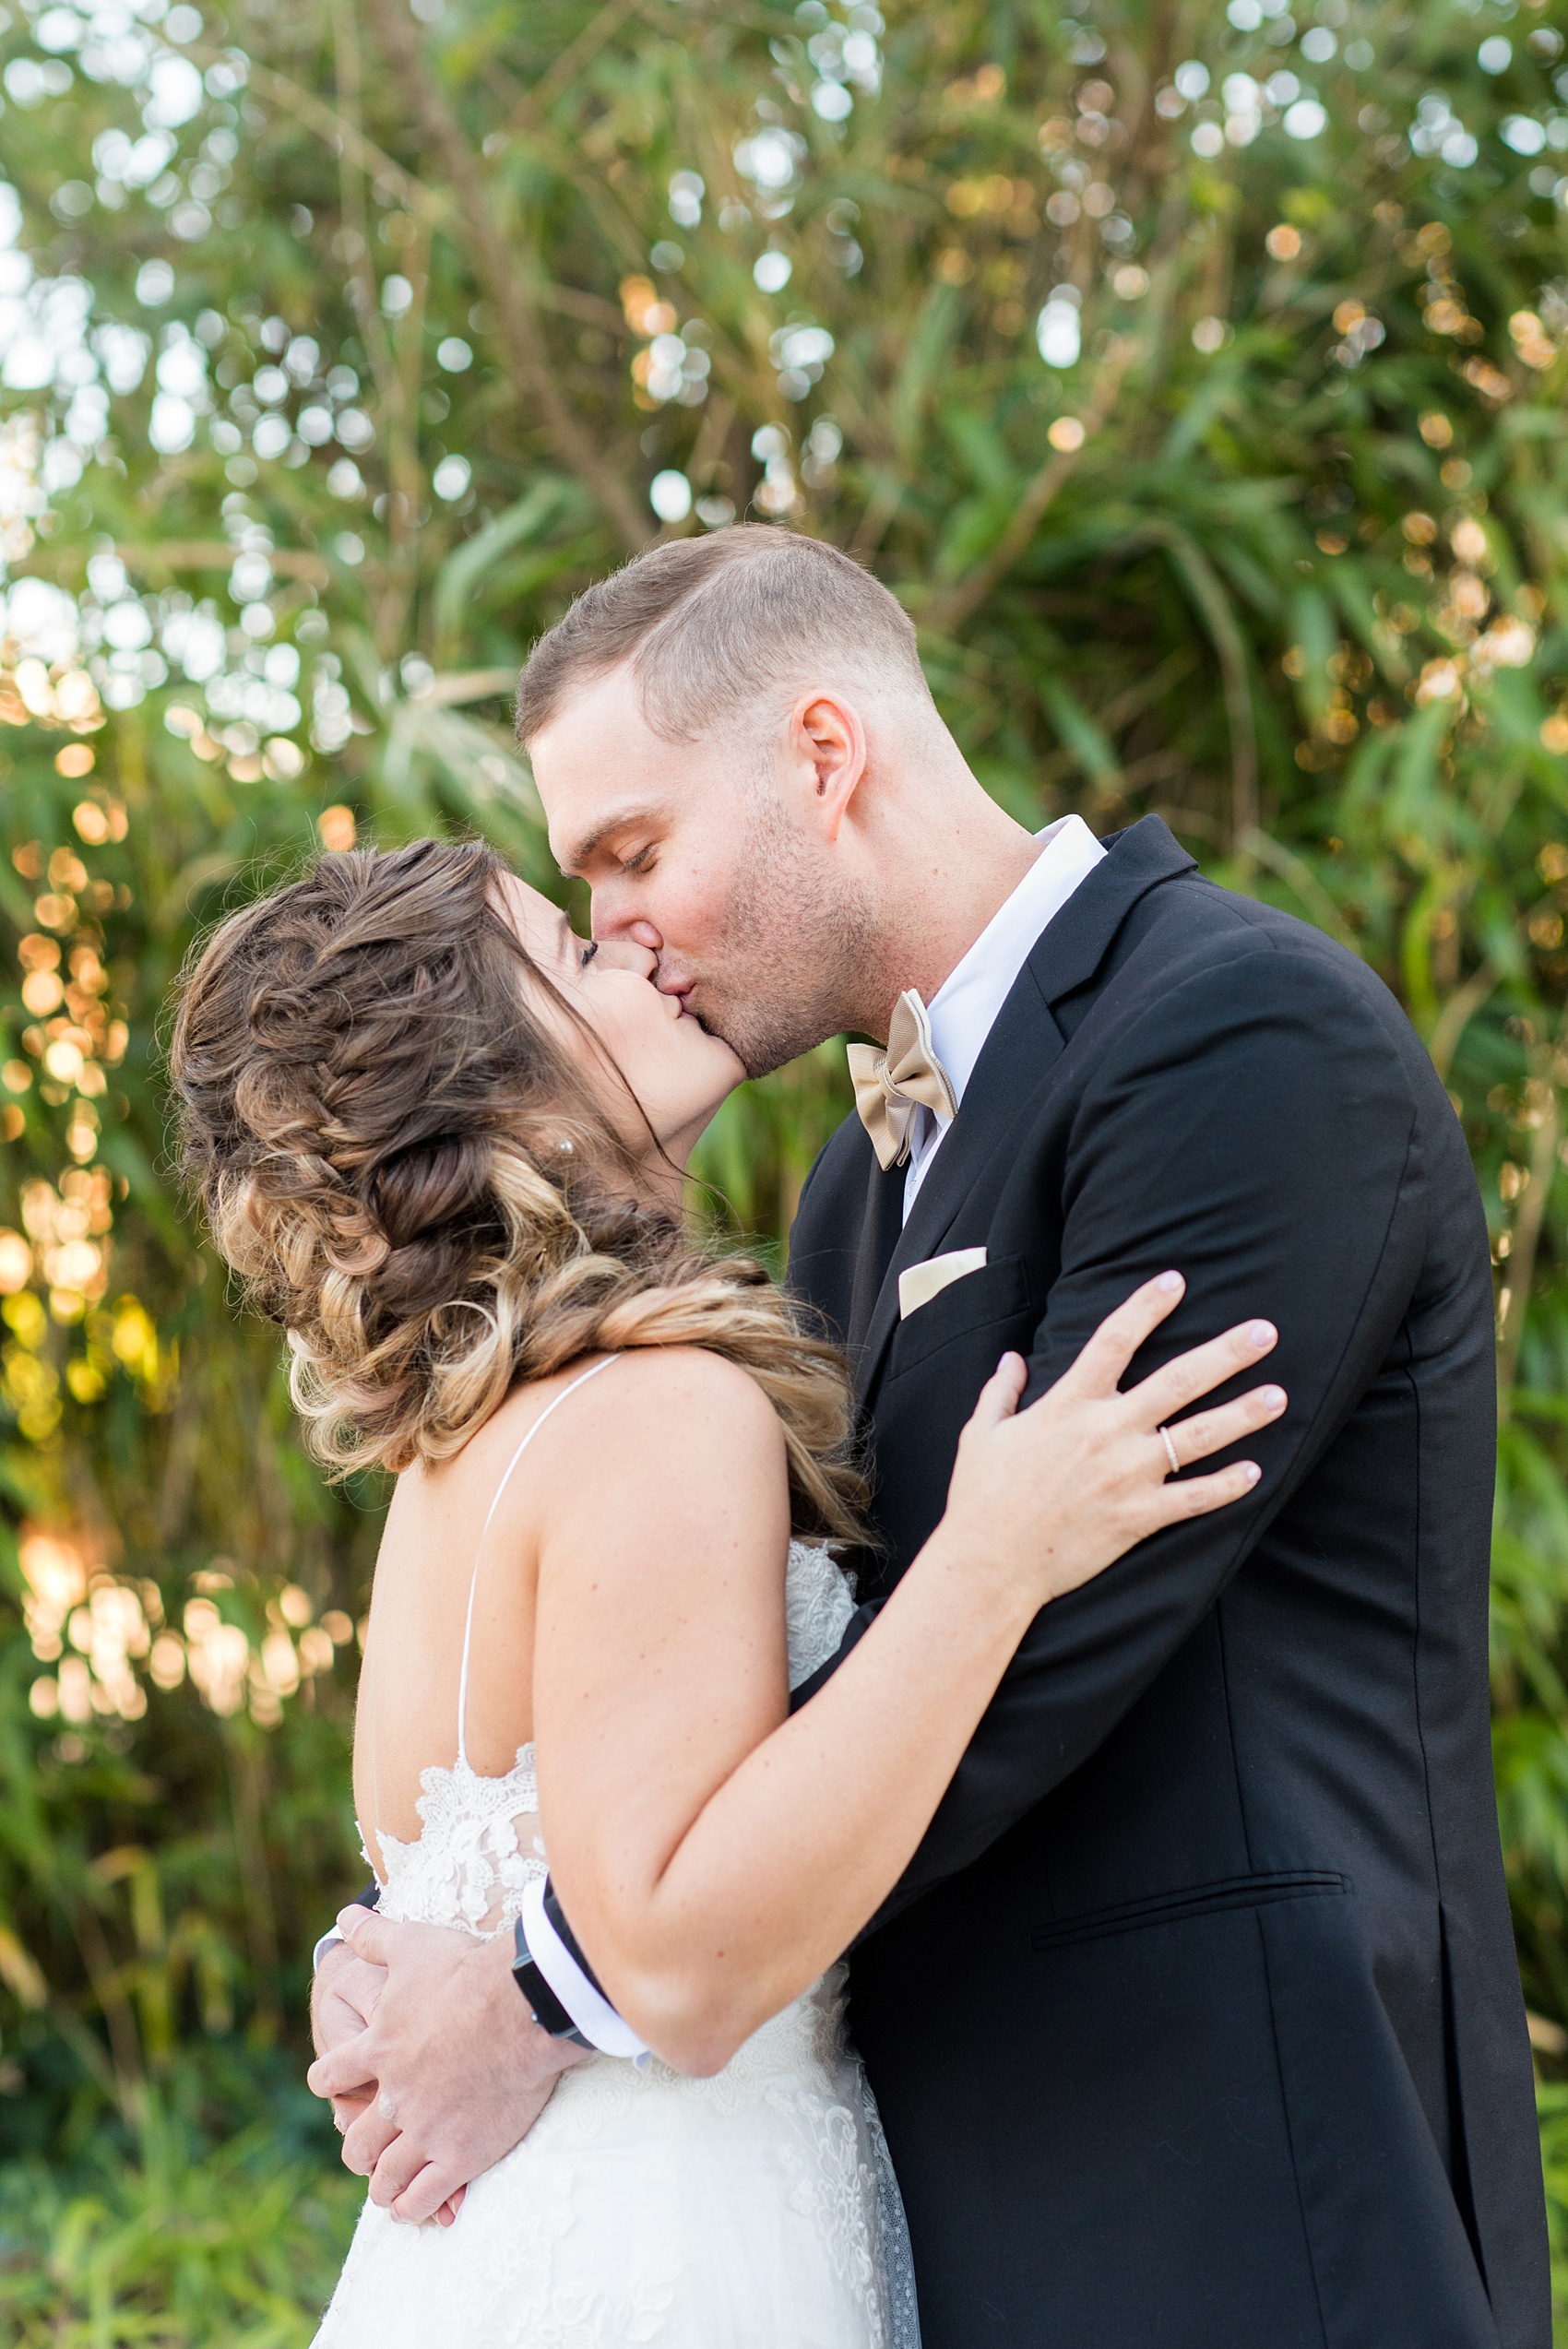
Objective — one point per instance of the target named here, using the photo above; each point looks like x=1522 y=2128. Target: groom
x=1195 y=2020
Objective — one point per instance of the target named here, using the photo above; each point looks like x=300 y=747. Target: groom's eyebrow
x=576 y=854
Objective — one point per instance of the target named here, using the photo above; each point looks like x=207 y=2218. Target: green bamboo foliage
x=1194 y=375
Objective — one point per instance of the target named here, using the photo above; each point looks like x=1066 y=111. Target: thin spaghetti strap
x=581 y=1379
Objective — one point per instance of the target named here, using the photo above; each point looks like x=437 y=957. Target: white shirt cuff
x=589 y=2008
x=326 y=1942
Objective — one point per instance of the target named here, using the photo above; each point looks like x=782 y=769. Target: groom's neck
x=944 y=863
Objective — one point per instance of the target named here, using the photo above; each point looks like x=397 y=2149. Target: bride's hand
x=1050 y=1497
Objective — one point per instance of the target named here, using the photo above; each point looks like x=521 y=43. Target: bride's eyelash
x=588 y=954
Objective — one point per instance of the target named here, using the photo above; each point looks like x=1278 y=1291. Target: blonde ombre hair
x=425 y=1189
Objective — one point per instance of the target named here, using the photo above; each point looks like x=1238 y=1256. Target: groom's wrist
x=331 y=1939
x=543 y=2003
x=549 y=1962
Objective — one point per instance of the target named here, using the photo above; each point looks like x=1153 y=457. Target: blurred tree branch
x=499 y=273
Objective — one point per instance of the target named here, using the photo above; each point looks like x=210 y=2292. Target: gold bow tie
x=890 y=1087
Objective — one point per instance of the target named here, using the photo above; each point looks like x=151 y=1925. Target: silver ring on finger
x=386 y=2105
x=1164 y=1435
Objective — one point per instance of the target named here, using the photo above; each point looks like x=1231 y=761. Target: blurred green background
x=1195 y=377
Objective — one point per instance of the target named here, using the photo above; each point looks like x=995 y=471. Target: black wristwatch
x=543 y=2004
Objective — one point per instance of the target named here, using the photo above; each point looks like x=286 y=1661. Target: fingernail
x=1272 y=1398
x=350 y=1919
x=1171 y=1283
x=1251 y=1472
x=1261 y=1334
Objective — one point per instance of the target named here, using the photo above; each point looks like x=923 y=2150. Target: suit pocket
x=1193 y=1900
x=998 y=1292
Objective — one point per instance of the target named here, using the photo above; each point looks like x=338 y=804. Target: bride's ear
x=826 y=749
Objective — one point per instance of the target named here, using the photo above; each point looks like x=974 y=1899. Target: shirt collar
x=964 y=1009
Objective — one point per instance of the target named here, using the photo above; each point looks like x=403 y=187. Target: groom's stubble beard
x=796 y=949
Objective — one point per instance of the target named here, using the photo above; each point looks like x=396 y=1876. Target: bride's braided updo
x=415 y=1176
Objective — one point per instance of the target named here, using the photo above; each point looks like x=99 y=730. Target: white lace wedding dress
x=757 y=2209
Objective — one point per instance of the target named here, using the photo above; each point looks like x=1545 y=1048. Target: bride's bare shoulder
x=683 y=1446
x=658 y=1405
x=673 y=1440
x=679 y=1397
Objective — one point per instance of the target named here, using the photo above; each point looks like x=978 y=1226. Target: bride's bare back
x=475 y=1524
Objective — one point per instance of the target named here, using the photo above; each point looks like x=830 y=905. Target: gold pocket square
x=918 y=1283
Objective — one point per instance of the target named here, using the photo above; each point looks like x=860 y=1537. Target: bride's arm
x=713 y=1854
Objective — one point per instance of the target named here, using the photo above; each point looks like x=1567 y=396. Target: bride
x=441 y=1139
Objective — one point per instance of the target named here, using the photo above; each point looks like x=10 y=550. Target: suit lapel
x=1072 y=945
x=880 y=1229
x=1023 y=1046
x=1020 y=1050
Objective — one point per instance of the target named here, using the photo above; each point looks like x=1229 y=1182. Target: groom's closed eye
x=588 y=954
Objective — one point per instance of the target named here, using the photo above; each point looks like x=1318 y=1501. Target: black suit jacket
x=1196 y=2020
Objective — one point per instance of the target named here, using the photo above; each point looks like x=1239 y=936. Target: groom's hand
x=461 y=2071
x=344 y=1996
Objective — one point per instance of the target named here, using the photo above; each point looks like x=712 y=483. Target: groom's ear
x=827 y=751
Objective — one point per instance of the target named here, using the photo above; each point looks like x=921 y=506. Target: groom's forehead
x=601 y=782
x=596 y=769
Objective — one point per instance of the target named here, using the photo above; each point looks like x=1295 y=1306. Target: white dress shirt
x=963 y=1011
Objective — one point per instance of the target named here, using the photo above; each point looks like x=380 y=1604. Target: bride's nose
x=620 y=953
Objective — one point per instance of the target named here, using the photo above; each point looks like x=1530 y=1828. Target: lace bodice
x=479 y=1842
x=818 y=1603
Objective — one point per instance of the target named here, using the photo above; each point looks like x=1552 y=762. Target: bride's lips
x=676 y=1006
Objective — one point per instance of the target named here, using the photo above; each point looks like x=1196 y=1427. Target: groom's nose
x=624 y=954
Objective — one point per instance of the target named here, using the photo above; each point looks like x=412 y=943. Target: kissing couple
x=928 y=1804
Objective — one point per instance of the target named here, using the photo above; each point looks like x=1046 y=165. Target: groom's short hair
x=714 y=626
